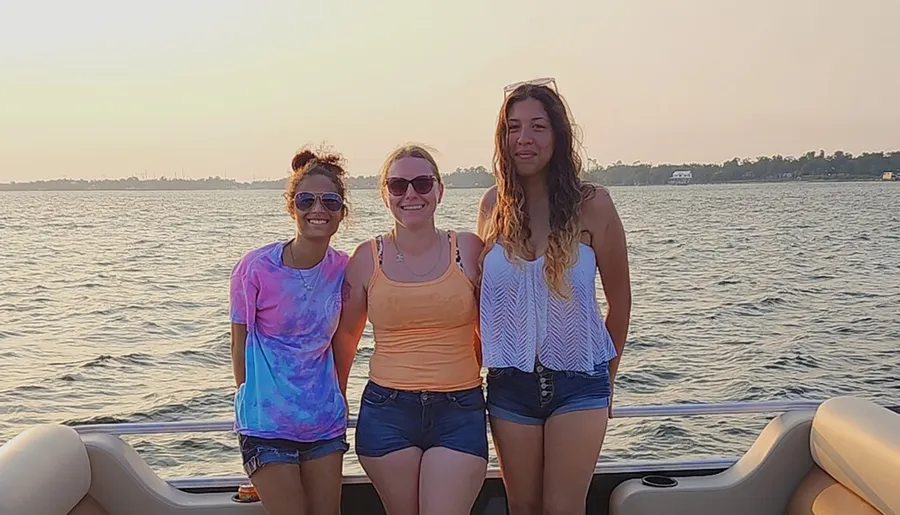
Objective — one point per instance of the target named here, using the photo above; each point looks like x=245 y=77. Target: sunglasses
x=304 y=201
x=422 y=184
x=543 y=81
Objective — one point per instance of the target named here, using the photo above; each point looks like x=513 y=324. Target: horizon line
x=585 y=169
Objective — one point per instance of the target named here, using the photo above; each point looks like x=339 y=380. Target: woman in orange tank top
x=421 y=433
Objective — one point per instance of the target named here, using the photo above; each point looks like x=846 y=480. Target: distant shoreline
x=197 y=185
x=810 y=167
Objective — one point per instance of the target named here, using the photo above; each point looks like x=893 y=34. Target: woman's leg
x=388 y=424
x=274 y=470
x=449 y=481
x=520 y=450
x=455 y=462
x=280 y=489
x=295 y=478
x=321 y=471
x=573 y=437
x=572 y=443
x=518 y=433
x=396 y=479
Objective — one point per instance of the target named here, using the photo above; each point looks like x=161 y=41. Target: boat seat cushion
x=820 y=494
x=45 y=471
x=88 y=506
x=855 y=446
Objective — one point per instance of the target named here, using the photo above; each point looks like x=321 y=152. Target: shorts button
x=545 y=393
x=540 y=368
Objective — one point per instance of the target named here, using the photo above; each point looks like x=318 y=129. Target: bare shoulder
x=486 y=210
x=470 y=247
x=361 y=265
x=469 y=243
x=598 y=208
x=488 y=200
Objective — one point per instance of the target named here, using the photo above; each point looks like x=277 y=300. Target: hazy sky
x=113 y=88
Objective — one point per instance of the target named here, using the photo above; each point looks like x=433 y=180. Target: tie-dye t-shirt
x=291 y=389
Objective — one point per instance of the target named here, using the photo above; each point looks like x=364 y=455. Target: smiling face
x=412 y=192
x=318 y=207
x=530 y=137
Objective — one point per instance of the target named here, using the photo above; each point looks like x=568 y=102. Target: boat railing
x=642 y=411
x=614 y=467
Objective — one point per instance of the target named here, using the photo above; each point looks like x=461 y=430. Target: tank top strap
x=451 y=235
x=378 y=256
x=456 y=259
x=377 y=247
x=378 y=251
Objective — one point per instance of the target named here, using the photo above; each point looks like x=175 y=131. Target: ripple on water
x=741 y=292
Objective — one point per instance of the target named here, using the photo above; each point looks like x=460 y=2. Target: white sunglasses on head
x=543 y=81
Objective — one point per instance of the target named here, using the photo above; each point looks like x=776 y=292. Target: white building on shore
x=681 y=177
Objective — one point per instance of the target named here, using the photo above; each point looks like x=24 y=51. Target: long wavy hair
x=510 y=224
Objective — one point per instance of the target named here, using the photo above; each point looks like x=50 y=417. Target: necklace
x=400 y=257
x=306 y=285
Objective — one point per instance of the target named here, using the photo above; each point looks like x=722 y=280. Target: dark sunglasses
x=422 y=184
x=304 y=201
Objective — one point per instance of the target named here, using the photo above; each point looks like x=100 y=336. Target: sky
x=196 y=88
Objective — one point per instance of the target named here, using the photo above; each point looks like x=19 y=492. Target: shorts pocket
x=375 y=396
x=470 y=400
x=494 y=373
x=601 y=371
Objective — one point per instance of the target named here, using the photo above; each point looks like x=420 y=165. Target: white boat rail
x=640 y=411
x=603 y=467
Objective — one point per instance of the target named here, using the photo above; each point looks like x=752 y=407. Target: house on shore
x=681 y=177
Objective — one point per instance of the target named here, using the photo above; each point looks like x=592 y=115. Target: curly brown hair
x=510 y=223
x=306 y=163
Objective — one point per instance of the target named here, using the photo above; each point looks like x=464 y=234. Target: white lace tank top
x=522 y=320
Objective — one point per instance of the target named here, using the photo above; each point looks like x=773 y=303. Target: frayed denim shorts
x=533 y=397
x=258 y=452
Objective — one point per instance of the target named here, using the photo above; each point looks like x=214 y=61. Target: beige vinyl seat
x=52 y=470
x=842 y=459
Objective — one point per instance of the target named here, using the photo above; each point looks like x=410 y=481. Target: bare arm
x=354 y=311
x=610 y=248
x=238 y=341
x=485 y=211
x=242 y=299
x=470 y=248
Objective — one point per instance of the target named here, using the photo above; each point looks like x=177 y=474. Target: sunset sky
x=102 y=88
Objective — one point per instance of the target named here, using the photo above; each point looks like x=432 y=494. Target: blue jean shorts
x=390 y=420
x=533 y=397
x=258 y=452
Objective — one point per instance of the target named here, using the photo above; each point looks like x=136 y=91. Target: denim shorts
x=257 y=452
x=390 y=420
x=533 y=397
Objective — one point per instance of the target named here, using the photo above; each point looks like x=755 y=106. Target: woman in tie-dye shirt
x=290 y=416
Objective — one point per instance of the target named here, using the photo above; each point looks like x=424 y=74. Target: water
x=114 y=307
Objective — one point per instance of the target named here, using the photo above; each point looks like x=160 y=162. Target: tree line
x=810 y=166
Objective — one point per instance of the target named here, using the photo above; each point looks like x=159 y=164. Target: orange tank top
x=424 y=332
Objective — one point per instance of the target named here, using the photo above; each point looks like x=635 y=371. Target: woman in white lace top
x=551 y=356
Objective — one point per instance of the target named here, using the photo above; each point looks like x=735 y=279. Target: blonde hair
x=407 y=150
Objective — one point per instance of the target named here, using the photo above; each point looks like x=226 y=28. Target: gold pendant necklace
x=399 y=258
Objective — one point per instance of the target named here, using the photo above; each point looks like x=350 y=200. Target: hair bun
x=335 y=162
x=302 y=158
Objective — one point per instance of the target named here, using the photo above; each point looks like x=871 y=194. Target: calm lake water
x=114 y=307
